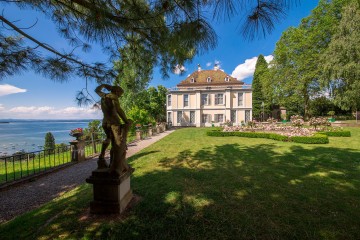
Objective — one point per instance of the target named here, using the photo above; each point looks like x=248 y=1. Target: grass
x=31 y=164
x=197 y=187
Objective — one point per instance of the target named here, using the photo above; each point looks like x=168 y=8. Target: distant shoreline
x=4 y=122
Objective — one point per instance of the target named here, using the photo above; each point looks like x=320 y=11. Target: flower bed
x=317 y=133
x=315 y=139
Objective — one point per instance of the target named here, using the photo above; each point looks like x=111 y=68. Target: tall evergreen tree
x=258 y=99
x=49 y=141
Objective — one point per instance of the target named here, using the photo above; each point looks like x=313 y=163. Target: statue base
x=112 y=194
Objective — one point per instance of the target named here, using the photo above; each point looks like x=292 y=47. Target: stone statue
x=116 y=131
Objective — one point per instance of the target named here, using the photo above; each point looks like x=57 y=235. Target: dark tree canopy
x=173 y=31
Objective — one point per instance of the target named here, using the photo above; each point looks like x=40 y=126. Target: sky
x=31 y=96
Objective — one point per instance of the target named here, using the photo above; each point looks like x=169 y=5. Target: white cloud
x=6 y=89
x=178 y=69
x=247 y=68
x=208 y=64
x=46 y=112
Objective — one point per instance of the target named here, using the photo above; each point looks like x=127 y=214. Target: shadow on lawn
x=235 y=192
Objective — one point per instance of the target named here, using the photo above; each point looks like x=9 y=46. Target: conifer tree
x=261 y=68
x=49 y=141
x=172 y=31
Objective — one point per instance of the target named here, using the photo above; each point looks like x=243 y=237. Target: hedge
x=337 y=134
x=316 y=139
x=219 y=133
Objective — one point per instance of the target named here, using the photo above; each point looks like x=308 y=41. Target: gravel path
x=30 y=195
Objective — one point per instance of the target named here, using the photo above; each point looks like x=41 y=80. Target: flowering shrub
x=76 y=132
x=319 y=121
x=252 y=124
x=271 y=120
x=297 y=121
x=285 y=132
x=228 y=123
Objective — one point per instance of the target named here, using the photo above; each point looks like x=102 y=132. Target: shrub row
x=337 y=134
x=219 y=133
x=316 y=139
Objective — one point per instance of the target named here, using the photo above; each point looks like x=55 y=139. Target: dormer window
x=208 y=79
x=192 y=80
x=227 y=79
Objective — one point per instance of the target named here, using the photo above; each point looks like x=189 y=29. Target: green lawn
x=31 y=164
x=193 y=186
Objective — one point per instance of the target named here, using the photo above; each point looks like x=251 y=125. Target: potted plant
x=331 y=115
x=77 y=133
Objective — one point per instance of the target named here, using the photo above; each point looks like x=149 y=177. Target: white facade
x=203 y=103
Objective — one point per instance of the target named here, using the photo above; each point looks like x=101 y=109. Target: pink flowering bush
x=296 y=128
x=297 y=121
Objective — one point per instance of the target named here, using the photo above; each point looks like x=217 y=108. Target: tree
x=49 y=142
x=258 y=98
x=342 y=60
x=298 y=55
x=94 y=131
x=157 y=101
x=172 y=31
x=139 y=116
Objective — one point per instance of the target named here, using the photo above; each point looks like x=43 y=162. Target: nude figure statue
x=116 y=131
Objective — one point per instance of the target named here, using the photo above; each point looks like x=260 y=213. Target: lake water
x=30 y=134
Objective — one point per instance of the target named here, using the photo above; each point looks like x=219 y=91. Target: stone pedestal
x=158 y=129
x=150 y=132
x=112 y=194
x=138 y=134
x=77 y=150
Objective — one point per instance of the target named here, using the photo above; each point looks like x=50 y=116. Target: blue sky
x=32 y=96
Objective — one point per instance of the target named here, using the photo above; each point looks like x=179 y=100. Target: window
x=192 y=80
x=205 y=118
x=240 y=99
x=192 y=116
x=169 y=101
x=227 y=79
x=208 y=79
x=179 y=116
x=186 y=100
x=233 y=116
x=247 y=115
x=219 y=117
x=205 y=100
x=219 y=98
x=169 y=117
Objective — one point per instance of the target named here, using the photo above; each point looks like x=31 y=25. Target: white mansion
x=209 y=97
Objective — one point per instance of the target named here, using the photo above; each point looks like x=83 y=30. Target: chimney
x=216 y=67
x=199 y=68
